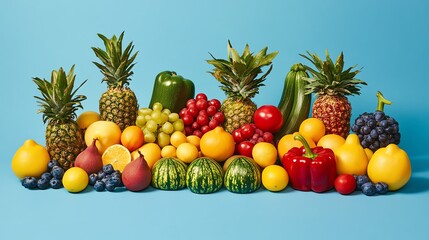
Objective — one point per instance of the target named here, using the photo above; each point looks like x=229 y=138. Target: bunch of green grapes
x=158 y=124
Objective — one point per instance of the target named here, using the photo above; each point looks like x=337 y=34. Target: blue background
x=388 y=39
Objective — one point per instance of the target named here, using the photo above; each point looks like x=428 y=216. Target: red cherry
x=197 y=133
x=201 y=96
x=211 y=110
x=220 y=118
x=187 y=120
x=195 y=126
x=202 y=120
x=236 y=134
x=193 y=111
x=247 y=131
x=213 y=124
x=183 y=112
x=201 y=104
x=205 y=129
x=190 y=102
x=216 y=103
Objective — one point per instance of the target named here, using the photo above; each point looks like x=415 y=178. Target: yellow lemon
x=30 y=160
x=75 y=179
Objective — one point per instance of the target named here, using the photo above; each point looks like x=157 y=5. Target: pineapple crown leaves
x=239 y=74
x=116 y=63
x=59 y=101
x=331 y=78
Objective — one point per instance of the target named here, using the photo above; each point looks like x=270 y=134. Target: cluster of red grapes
x=201 y=115
x=247 y=136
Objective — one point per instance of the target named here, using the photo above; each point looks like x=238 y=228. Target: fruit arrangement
x=182 y=140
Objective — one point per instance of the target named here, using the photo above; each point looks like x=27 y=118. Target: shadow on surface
x=416 y=185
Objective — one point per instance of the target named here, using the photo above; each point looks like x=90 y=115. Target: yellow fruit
x=75 y=180
x=194 y=139
x=369 y=153
x=117 y=155
x=264 y=154
x=187 y=152
x=132 y=138
x=390 y=165
x=275 y=178
x=287 y=142
x=87 y=118
x=312 y=128
x=351 y=157
x=332 y=141
x=168 y=151
x=30 y=160
x=217 y=144
x=150 y=151
x=107 y=133
x=177 y=138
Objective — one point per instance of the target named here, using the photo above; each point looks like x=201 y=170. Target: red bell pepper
x=310 y=168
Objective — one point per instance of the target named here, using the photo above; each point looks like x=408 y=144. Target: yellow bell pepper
x=390 y=165
x=351 y=157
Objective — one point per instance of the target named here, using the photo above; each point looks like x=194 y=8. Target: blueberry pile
x=106 y=179
x=376 y=130
x=368 y=188
x=50 y=179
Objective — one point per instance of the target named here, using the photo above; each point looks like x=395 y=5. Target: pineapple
x=332 y=85
x=240 y=82
x=119 y=103
x=64 y=139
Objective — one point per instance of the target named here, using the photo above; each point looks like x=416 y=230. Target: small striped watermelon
x=204 y=175
x=169 y=174
x=242 y=175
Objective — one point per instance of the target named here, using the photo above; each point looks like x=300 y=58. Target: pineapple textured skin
x=237 y=113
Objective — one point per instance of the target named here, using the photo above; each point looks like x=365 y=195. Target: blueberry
x=369 y=189
x=116 y=173
x=29 y=182
x=383 y=123
x=110 y=187
x=374 y=133
x=52 y=163
x=379 y=115
x=360 y=180
x=55 y=183
x=381 y=188
x=371 y=123
x=101 y=175
x=99 y=186
x=355 y=128
x=43 y=183
x=365 y=130
x=106 y=178
x=116 y=181
x=108 y=169
x=47 y=176
x=93 y=177
x=57 y=172
x=359 y=122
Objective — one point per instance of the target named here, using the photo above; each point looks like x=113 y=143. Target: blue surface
x=388 y=39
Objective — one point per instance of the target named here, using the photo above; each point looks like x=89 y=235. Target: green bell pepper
x=172 y=91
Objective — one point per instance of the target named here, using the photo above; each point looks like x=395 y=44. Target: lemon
x=30 y=160
x=87 y=118
x=168 y=151
x=275 y=178
x=264 y=154
x=177 y=138
x=75 y=179
x=187 y=152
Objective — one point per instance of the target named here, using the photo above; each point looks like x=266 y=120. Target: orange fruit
x=194 y=139
x=117 y=155
x=264 y=154
x=187 y=152
x=177 y=138
x=312 y=128
x=150 y=151
x=30 y=160
x=168 y=151
x=87 y=118
x=331 y=141
x=107 y=133
x=275 y=178
x=287 y=142
x=132 y=138
x=75 y=179
x=217 y=144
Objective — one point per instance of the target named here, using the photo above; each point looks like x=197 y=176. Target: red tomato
x=216 y=103
x=345 y=184
x=201 y=96
x=245 y=148
x=268 y=118
x=247 y=131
